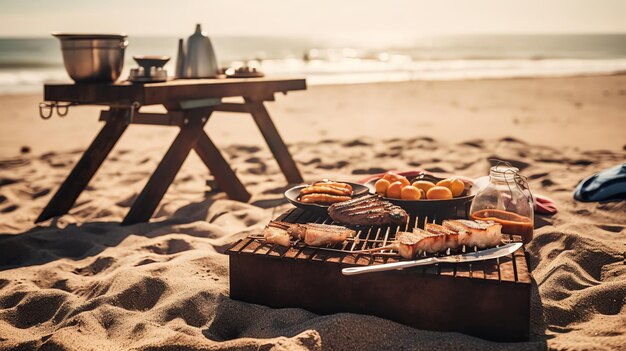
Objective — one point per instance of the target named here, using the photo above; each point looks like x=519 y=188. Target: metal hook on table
x=46 y=108
x=63 y=108
x=134 y=107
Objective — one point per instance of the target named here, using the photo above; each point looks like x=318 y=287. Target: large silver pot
x=93 y=57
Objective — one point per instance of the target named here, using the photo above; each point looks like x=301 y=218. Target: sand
x=82 y=282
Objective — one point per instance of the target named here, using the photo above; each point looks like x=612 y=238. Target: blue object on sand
x=607 y=185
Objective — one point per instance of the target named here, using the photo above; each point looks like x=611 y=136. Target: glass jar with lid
x=507 y=200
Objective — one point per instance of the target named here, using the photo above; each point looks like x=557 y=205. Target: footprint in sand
x=145 y=261
x=11 y=300
x=170 y=247
x=339 y=164
x=99 y=265
x=537 y=175
x=356 y=142
x=436 y=170
x=261 y=169
x=35 y=309
x=190 y=310
x=40 y=193
x=478 y=143
x=7 y=181
x=140 y=296
x=9 y=208
x=521 y=165
x=581 y=162
x=611 y=228
x=373 y=170
x=512 y=140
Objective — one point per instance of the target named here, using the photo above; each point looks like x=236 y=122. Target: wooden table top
x=125 y=93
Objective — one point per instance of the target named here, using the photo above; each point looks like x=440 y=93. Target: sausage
x=334 y=184
x=323 y=198
x=323 y=189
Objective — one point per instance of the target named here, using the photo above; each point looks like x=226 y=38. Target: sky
x=366 y=20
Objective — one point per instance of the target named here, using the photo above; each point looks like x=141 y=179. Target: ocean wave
x=357 y=70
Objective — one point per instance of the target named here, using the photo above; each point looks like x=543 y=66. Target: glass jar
x=506 y=200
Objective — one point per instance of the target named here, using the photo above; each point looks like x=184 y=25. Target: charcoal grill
x=489 y=299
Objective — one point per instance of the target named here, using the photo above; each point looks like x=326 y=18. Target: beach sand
x=82 y=282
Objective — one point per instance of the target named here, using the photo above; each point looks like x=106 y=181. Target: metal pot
x=93 y=57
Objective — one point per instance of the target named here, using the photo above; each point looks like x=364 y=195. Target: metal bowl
x=91 y=58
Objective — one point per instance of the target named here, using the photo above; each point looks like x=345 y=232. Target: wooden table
x=189 y=105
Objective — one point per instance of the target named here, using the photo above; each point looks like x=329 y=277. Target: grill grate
x=510 y=268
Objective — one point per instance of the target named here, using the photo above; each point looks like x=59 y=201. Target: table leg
x=149 y=198
x=219 y=168
x=274 y=141
x=86 y=167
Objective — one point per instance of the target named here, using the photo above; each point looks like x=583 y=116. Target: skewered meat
x=323 y=198
x=367 y=210
x=409 y=244
x=276 y=233
x=476 y=233
x=323 y=189
x=313 y=234
x=437 y=238
x=452 y=237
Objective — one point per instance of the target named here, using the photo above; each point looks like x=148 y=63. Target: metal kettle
x=197 y=58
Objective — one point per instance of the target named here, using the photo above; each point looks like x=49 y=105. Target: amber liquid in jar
x=512 y=223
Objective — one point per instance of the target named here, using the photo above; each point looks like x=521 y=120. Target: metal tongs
x=495 y=252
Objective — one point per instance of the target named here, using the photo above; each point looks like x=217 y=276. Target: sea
x=26 y=63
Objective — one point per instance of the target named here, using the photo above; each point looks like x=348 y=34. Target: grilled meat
x=324 y=189
x=409 y=244
x=323 y=198
x=330 y=183
x=326 y=192
x=276 y=233
x=476 y=233
x=437 y=238
x=320 y=234
x=452 y=237
x=367 y=210
x=313 y=234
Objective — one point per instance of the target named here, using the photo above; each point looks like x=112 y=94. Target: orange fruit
x=422 y=194
x=390 y=176
x=438 y=193
x=410 y=192
x=455 y=185
x=423 y=184
x=395 y=190
x=394 y=177
x=381 y=186
x=404 y=181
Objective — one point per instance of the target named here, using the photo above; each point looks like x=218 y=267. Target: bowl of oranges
x=423 y=192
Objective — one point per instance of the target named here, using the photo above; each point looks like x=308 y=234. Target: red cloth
x=543 y=204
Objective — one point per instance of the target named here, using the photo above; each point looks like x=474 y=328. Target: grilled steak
x=367 y=210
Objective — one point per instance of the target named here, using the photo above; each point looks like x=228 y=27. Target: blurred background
x=333 y=42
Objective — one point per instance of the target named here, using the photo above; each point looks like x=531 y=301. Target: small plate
x=293 y=193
